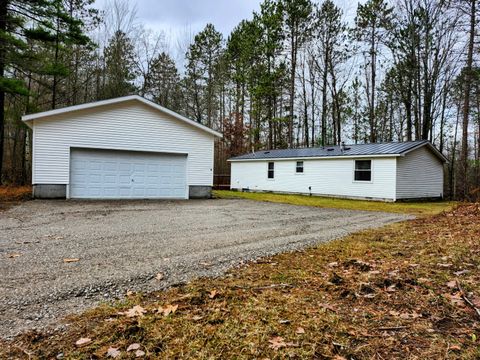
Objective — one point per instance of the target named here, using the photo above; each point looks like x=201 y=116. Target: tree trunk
x=305 y=107
x=324 y=99
x=373 y=60
x=293 y=57
x=466 y=102
x=3 y=27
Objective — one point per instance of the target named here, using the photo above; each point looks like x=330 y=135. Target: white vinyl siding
x=419 y=174
x=130 y=125
x=334 y=177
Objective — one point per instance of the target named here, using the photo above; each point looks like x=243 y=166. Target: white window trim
x=371 y=172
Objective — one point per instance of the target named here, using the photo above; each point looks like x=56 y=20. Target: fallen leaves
x=136 y=347
x=455 y=299
x=113 y=352
x=277 y=342
x=454 y=348
x=213 y=294
x=83 y=342
x=159 y=277
x=452 y=284
x=139 y=353
x=328 y=307
x=167 y=310
x=136 y=311
x=300 y=330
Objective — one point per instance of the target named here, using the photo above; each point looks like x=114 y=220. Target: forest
x=297 y=73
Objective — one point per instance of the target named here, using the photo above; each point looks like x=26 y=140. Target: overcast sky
x=180 y=20
x=177 y=16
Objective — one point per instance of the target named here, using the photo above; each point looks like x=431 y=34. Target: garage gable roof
x=391 y=149
x=45 y=114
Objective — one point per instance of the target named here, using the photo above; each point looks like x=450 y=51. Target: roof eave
x=318 y=157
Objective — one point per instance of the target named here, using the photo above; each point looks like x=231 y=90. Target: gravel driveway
x=123 y=245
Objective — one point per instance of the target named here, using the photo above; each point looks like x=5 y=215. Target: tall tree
x=467 y=78
x=372 y=22
x=119 y=66
x=203 y=59
x=163 y=82
x=298 y=25
x=331 y=52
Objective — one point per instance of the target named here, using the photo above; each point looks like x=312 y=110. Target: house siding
x=124 y=126
x=333 y=177
x=419 y=175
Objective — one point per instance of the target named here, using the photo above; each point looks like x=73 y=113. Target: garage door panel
x=125 y=174
x=110 y=166
x=122 y=166
x=94 y=165
x=110 y=179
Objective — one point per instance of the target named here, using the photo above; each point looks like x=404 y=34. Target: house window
x=363 y=170
x=271 y=170
x=299 y=167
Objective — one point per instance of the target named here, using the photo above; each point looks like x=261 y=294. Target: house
x=383 y=171
x=122 y=148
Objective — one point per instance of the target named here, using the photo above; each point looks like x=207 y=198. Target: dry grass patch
x=13 y=194
x=392 y=293
x=415 y=208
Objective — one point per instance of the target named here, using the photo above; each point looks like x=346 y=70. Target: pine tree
x=203 y=60
x=163 y=82
x=22 y=22
x=119 y=67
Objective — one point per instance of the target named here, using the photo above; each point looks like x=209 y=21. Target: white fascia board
x=319 y=158
x=45 y=114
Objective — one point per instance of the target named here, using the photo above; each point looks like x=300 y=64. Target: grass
x=415 y=208
x=399 y=292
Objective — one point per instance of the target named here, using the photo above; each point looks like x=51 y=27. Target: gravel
x=123 y=245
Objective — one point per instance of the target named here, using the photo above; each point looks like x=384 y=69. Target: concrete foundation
x=49 y=191
x=199 y=192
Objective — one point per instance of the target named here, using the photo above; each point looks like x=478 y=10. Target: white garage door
x=104 y=174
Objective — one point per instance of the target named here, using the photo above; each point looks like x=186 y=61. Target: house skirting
x=49 y=191
x=316 y=194
x=199 y=192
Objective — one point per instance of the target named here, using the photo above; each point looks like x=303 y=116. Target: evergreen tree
x=203 y=60
x=163 y=82
x=119 y=67
x=23 y=22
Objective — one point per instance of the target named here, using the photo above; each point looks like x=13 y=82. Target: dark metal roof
x=392 y=148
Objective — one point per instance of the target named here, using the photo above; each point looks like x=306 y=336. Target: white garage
x=124 y=148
